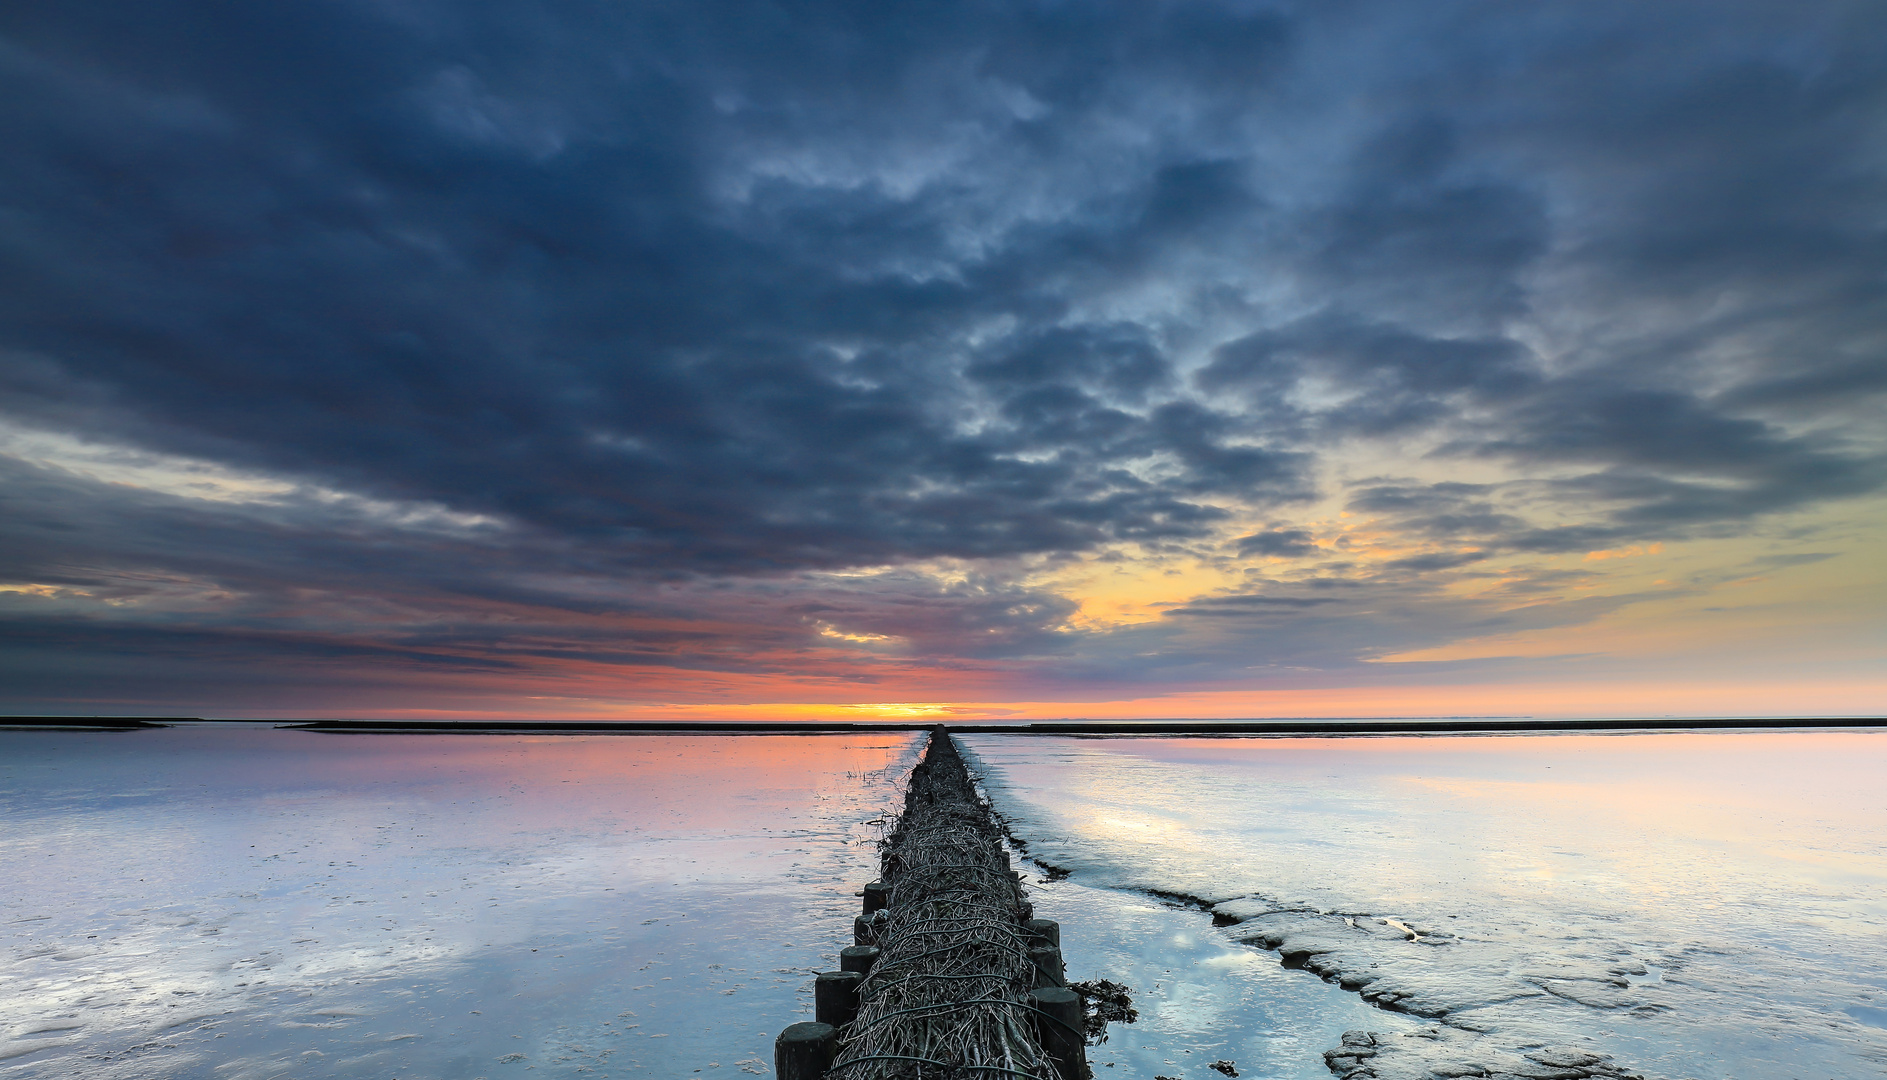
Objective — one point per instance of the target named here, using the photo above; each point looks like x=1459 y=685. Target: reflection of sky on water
x=252 y=903
x=1748 y=870
x=248 y=902
x=1201 y=997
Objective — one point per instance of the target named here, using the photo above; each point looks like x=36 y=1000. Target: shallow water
x=256 y=903
x=250 y=902
x=1694 y=905
x=1201 y=996
x=245 y=902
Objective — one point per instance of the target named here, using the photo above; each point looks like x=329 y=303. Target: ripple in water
x=254 y=903
x=1682 y=905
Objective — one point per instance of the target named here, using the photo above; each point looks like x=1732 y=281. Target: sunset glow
x=1193 y=359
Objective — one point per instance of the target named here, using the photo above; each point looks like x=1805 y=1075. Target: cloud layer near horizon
x=649 y=352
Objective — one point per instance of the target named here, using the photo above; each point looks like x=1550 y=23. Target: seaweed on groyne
x=959 y=981
x=949 y=992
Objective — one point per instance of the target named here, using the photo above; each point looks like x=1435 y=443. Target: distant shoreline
x=1090 y=728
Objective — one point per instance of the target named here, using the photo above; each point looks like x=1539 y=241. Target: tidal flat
x=257 y=903
x=1684 y=905
x=248 y=902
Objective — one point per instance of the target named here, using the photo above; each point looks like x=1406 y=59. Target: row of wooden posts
x=804 y=1051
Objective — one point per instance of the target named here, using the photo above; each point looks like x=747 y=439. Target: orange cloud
x=1624 y=553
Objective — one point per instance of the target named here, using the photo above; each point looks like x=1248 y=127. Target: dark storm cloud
x=1120 y=361
x=1306 y=632
x=1240 y=605
x=1283 y=542
x=486 y=254
x=1417 y=233
x=446 y=594
x=1391 y=378
x=733 y=294
x=1437 y=561
x=1665 y=465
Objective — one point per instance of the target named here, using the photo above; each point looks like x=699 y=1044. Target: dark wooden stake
x=1059 y=1028
x=1048 y=966
x=835 y=997
x=803 y=1051
x=858 y=958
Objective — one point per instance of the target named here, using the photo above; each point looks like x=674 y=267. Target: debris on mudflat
x=1107 y=1001
x=1225 y=1067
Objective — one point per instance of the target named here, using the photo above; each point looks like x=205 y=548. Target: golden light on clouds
x=885 y=400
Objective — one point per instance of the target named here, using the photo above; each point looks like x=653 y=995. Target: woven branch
x=948 y=996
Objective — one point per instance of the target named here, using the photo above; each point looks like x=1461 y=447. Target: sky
x=1019 y=359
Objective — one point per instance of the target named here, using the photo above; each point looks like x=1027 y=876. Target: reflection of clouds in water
x=1191 y=1008
x=433 y=903
x=1201 y=997
x=1549 y=878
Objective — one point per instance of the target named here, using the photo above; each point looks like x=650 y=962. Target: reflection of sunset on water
x=1719 y=897
x=1805 y=804
x=719 y=779
x=468 y=894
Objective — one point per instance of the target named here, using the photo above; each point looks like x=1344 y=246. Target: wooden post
x=877 y=896
x=803 y=1051
x=1059 y=1027
x=858 y=958
x=1048 y=966
x=1047 y=929
x=835 y=997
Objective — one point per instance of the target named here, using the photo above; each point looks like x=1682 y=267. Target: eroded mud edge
x=1381 y=958
x=1347 y=948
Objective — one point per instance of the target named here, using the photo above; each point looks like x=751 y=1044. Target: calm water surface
x=246 y=902
x=249 y=902
x=1709 y=905
x=255 y=903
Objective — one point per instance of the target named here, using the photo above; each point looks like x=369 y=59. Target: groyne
x=950 y=975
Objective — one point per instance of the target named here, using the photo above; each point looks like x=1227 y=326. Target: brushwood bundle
x=949 y=994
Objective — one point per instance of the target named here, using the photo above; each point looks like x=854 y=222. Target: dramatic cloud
x=960 y=351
